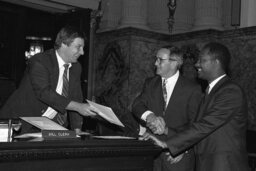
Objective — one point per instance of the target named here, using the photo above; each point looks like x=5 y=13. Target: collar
x=60 y=61
x=214 y=82
x=173 y=77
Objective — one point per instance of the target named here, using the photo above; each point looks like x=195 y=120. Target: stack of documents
x=42 y=123
x=45 y=123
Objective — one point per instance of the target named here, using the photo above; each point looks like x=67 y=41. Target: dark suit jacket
x=37 y=90
x=219 y=132
x=181 y=110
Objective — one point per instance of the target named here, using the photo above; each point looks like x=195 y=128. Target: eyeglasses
x=160 y=60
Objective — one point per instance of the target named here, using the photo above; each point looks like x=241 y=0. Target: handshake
x=156 y=124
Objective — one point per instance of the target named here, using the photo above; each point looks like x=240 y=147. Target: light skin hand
x=151 y=122
x=151 y=118
x=160 y=126
x=155 y=124
x=82 y=108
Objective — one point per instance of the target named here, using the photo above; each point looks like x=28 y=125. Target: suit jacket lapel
x=207 y=99
x=218 y=85
x=158 y=94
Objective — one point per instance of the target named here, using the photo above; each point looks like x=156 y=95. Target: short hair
x=175 y=51
x=220 y=52
x=67 y=35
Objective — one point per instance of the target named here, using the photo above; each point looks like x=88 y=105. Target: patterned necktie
x=164 y=93
x=62 y=118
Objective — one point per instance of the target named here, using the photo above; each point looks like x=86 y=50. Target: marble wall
x=125 y=57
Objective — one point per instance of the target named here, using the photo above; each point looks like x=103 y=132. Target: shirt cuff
x=145 y=115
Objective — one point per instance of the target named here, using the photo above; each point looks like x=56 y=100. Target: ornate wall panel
x=136 y=53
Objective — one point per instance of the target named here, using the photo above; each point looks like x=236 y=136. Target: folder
x=43 y=123
x=106 y=113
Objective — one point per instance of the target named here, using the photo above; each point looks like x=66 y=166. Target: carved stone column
x=184 y=16
x=227 y=14
x=111 y=16
x=158 y=15
x=208 y=14
x=248 y=13
x=134 y=14
x=95 y=16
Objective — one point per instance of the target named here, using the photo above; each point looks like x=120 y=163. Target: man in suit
x=219 y=133
x=40 y=91
x=164 y=116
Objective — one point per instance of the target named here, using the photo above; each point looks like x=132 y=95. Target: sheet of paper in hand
x=106 y=113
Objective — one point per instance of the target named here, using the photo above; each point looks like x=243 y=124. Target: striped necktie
x=62 y=118
x=164 y=93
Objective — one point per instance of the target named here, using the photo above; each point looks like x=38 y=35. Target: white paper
x=30 y=135
x=106 y=112
x=43 y=123
x=4 y=133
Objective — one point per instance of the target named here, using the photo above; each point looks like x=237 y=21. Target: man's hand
x=87 y=110
x=83 y=108
x=161 y=129
x=147 y=136
x=173 y=160
x=155 y=124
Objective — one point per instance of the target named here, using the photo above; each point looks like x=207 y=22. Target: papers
x=106 y=112
x=43 y=123
x=30 y=135
x=114 y=137
x=4 y=133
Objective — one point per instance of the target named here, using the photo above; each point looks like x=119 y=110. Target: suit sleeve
x=140 y=104
x=222 y=108
x=194 y=103
x=45 y=92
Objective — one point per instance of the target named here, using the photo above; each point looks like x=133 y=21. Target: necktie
x=164 y=93
x=207 y=90
x=206 y=93
x=62 y=118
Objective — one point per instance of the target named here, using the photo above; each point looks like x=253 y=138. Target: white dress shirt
x=171 y=82
x=50 y=112
x=213 y=83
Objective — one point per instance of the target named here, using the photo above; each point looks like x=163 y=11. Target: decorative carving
x=172 y=7
x=112 y=64
x=26 y=151
x=113 y=73
x=95 y=17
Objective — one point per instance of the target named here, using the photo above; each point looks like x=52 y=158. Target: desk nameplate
x=58 y=134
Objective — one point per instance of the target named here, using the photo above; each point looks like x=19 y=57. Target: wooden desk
x=89 y=154
x=251 y=148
